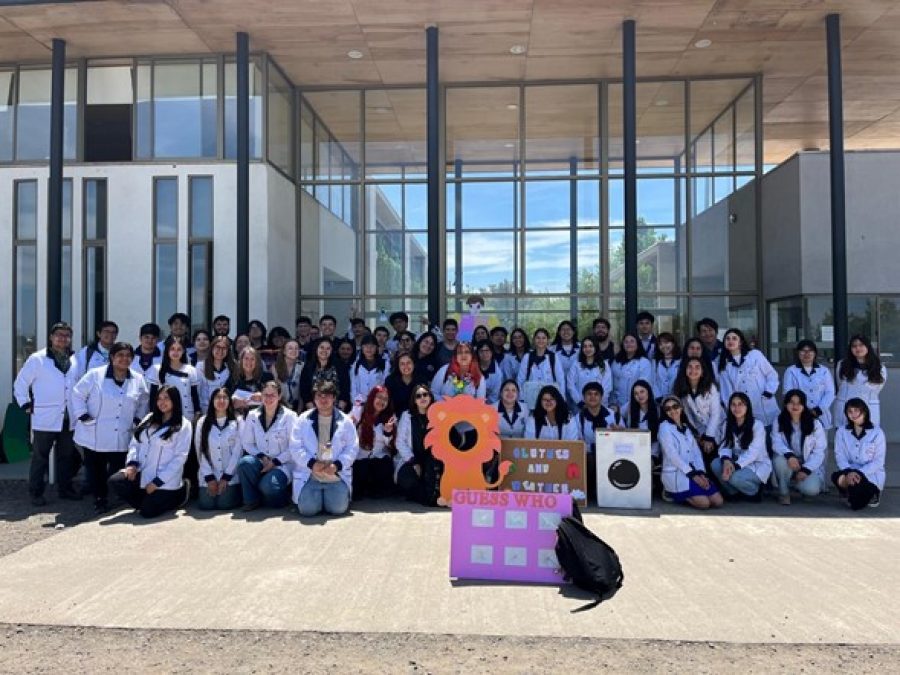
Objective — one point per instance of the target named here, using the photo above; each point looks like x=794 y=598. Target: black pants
x=860 y=494
x=149 y=506
x=373 y=477
x=424 y=489
x=191 y=470
x=41 y=444
x=99 y=466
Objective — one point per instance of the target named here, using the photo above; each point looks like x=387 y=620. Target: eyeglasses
x=422 y=394
x=670 y=408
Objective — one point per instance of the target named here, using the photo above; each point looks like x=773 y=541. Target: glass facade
x=200 y=249
x=25 y=272
x=165 y=249
x=94 y=243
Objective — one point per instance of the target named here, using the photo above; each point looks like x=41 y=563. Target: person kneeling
x=859 y=452
x=323 y=446
x=152 y=478
x=683 y=477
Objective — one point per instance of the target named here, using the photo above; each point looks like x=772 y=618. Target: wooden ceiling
x=784 y=40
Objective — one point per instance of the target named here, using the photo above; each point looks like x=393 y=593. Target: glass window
x=395 y=133
x=144 y=112
x=95 y=216
x=107 y=112
x=660 y=127
x=484 y=206
x=562 y=129
x=729 y=312
x=330 y=249
x=66 y=299
x=201 y=287
x=482 y=131
x=184 y=109
x=94 y=208
x=547 y=253
x=745 y=130
x=25 y=274
x=337 y=139
x=487 y=262
x=280 y=121
x=256 y=131
x=166 y=208
x=26 y=210
x=33 y=114
x=7 y=110
x=201 y=216
x=889 y=329
x=712 y=127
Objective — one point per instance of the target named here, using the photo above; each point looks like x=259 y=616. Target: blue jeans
x=743 y=480
x=316 y=497
x=809 y=487
x=269 y=489
x=220 y=502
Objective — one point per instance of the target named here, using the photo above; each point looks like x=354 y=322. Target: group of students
x=316 y=418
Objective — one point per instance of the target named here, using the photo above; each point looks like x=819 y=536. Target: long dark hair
x=526 y=342
x=804 y=344
x=209 y=364
x=413 y=408
x=807 y=419
x=155 y=418
x=668 y=337
x=634 y=410
x=871 y=366
x=682 y=386
x=859 y=404
x=369 y=418
x=683 y=422
x=557 y=339
x=725 y=355
x=165 y=365
x=210 y=419
x=743 y=432
x=540 y=415
x=622 y=357
x=599 y=361
x=417 y=355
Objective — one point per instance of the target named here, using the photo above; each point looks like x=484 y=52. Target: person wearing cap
x=43 y=389
x=644 y=325
x=813 y=379
x=683 y=475
x=96 y=353
x=707 y=330
x=149 y=351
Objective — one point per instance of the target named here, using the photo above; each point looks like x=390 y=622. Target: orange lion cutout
x=463 y=468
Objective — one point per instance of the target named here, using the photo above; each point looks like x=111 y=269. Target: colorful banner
x=505 y=536
x=549 y=467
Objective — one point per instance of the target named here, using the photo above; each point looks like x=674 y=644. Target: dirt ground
x=50 y=649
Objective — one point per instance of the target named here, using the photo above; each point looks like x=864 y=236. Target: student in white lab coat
x=96 y=353
x=215 y=370
x=148 y=352
x=461 y=376
x=666 y=362
x=217 y=440
x=369 y=370
x=107 y=403
x=373 y=469
x=745 y=370
x=512 y=413
x=541 y=365
x=550 y=418
x=799 y=447
x=860 y=375
x=702 y=404
x=813 y=379
x=642 y=413
x=743 y=465
x=565 y=345
x=629 y=365
x=594 y=415
x=589 y=366
x=491 y=372
x=859 y=452
x=152 y=480
x=519 y=346
x=684 y=476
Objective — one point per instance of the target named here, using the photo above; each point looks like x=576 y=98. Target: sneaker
x=667 y=497
x=784 y=500
x=876 y=502
x=186 y=486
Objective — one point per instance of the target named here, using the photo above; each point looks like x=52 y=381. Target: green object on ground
x=16 y=437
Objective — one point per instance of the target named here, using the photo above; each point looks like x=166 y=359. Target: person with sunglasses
x=418 y=473
x=683 y=475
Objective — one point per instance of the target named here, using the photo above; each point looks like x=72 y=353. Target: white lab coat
x=818 y=385
x=755 y=458
x=512 y=425
x=84 y=364
x=225 y=451
x=159 y=460
x=624 y=376
x=570 y=431
x=706 y=414
x=207 y=386
x=273 y=442
x=642 y=424
x=442 y=386
x=362 y=379
x=493 y=381
x=664 y=377
x=182 y=384
x=566 y=356
x=511 y=366
x=681 y=456
x=579 y=375
x=112 y=409
x=865 y=454
x=858 y=387
x=588 y=425
x=548 y=371
x=754 y=376
x=49 y=389
x=136 y=361
x=811 y=454
x=304 y=447
x=381 y=442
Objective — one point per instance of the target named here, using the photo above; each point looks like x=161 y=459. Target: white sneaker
x=876 y=502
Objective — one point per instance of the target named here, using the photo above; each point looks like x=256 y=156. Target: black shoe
x=71 y=494
x=101 y=506
x=876 y=502
x=40 y=500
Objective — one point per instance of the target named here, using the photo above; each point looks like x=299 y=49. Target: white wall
x=130 y=239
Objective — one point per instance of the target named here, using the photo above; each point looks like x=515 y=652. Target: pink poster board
x=506 y=536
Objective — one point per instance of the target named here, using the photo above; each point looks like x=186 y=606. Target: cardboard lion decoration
x=463 y=467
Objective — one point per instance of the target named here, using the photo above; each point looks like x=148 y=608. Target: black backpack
x=588 y=561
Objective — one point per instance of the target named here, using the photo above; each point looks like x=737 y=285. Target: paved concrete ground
x=812 y=572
